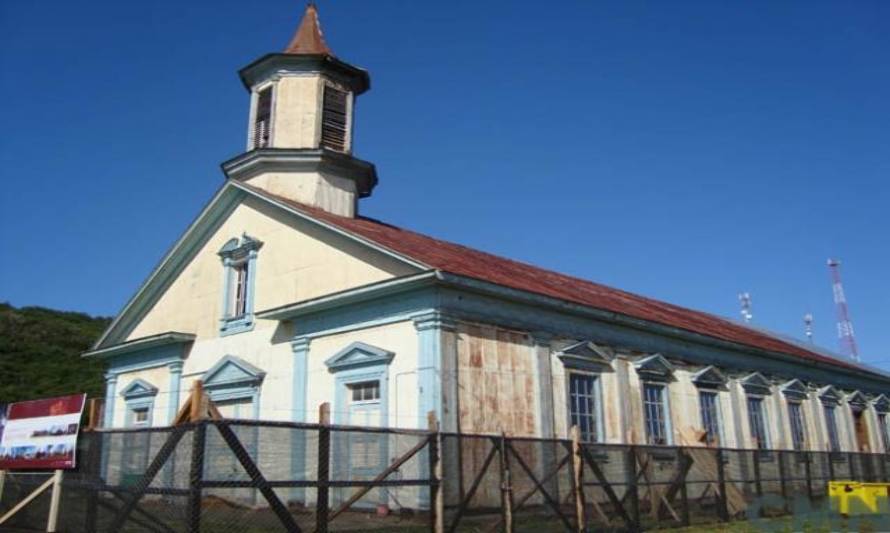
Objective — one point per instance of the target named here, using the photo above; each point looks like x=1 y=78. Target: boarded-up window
x=334 y=123
x=262 y=119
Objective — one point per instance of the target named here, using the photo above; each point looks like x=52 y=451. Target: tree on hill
x=40 y=353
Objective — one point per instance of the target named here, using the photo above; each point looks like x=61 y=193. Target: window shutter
x=333 y=119
x=263 y=119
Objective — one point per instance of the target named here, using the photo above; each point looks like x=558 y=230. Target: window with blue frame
x=757 y=423
x=655 y=413
x=583 y=405
x=710 y=418
x=239 y=258
x=798 y=425
x=834 y=443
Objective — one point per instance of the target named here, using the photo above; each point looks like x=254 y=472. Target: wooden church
x=281 y=296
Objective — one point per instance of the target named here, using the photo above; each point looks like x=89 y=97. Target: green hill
x=40 y=353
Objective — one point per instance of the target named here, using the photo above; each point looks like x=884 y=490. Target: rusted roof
x=308 y=40
x=468 y=262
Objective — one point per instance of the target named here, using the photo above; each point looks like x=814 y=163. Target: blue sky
x=682 y=150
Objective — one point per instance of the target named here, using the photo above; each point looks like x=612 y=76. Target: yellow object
x=851 y=498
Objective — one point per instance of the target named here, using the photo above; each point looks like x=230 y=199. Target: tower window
x=262 y=121
x=239 y=289
x=334 y=122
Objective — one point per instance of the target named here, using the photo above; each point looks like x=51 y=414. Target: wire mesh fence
x=251 y=476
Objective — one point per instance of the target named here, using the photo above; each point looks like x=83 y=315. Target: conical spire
x=309 y=40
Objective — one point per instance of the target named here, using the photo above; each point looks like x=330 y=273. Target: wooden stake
x=578 y=476
x=28 y=499
x=437 y=505
x=506 y=486
x=93 y=421
x=55 y=499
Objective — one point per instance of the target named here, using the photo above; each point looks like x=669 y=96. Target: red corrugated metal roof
x=464 y=261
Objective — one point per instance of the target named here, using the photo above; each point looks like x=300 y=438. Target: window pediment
x=139 y=388
x=585 y=354
x=358 y=354
x=232 y=371
x=654 y=367
x=882 y=403
x=756 y=383
x=795 y=389
x=709 y=376
x=829 y=395
x=857 y=400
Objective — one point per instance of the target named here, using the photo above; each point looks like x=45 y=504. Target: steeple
x=299 y=137
x=308 y=39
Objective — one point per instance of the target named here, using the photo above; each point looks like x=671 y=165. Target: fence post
x=685 y=459
x=631 y=460
x=851 y=466
x=196 y=475
x=437 y=491
x=758 y=487
x=809 y=474
x=324 y=468
x=578 y=480
x=506 y=485
x=829 y=456
x=93 y=467
x=782 y=488
x=883 y=460
x=721 y=485
x=54 y=502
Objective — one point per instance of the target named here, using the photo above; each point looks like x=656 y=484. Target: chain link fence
x=250 y=476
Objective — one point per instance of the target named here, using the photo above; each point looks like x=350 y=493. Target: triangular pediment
x=795 y=389
x=358 y=354
x=829 y=394
x=231 y=370
x=755 y=383
x=857 y=400
x=237 y=207
x=139 y=388
x=709 y=376
x=882 y=403
x=654 y=366
x=585 y=354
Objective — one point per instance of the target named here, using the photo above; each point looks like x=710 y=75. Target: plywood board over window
x=495 y=381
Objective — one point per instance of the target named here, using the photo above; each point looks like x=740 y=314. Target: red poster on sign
x=40 y=433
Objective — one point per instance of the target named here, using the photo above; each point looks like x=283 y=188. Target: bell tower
x=299 y=135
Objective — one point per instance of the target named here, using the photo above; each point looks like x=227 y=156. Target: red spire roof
x=309 y=40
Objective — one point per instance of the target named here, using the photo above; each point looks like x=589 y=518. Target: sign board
x=40 y=433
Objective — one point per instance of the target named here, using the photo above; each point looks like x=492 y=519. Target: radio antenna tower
x=846 y=338
x=808 y=326
x=745 y=300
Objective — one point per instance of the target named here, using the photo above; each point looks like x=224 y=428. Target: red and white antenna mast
x=846 y=339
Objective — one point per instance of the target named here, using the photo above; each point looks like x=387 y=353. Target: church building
x=281 y=296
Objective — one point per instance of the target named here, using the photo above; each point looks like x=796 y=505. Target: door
x=366 y=451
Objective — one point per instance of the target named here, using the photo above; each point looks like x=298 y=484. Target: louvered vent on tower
x=334 y=120
x=263 y=119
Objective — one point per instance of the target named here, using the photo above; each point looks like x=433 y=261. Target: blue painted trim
x=358 y=355
x=232 y=254
x=357 y=375
x=175 y=385
x=430 y=327
x=110 y=397
x=139 y=388
x=299 y=391
x=144 y=360
x=140 y=403
x=174 y=261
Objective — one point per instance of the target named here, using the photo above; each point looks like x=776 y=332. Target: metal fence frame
x=575 y=486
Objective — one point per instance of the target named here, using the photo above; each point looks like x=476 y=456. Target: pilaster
x=175 y=384
x=110 y=387
x=543 y=383
x=432 y=329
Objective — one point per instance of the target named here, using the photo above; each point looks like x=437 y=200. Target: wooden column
x=437 y=491
x=578 y=480
x=324 y=466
